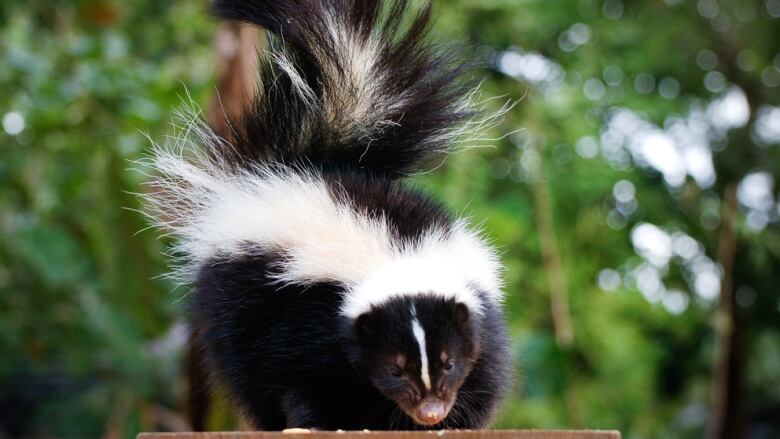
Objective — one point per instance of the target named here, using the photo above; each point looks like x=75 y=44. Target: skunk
x=327 y=293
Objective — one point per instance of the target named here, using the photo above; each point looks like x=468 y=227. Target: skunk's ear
x=363 y=328
x=462 y=315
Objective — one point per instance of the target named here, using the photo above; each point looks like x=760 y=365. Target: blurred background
x=633 y=193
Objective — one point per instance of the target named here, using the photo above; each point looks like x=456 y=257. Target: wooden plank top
x=447 y=434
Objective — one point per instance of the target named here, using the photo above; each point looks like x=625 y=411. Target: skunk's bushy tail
x=348 y=84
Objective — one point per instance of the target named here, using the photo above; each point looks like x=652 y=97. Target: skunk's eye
x=395 y=371
x=449 y=364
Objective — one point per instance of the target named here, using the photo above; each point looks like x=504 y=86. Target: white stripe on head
x=419 y=335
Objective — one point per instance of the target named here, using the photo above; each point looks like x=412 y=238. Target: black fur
x=287 y=354
x=292 y=361
x=409 y=212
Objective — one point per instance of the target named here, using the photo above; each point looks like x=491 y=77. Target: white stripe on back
x=219 y=212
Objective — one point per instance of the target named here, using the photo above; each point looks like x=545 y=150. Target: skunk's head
x=418 y=350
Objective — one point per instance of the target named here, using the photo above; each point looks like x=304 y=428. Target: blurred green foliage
x=633 y=121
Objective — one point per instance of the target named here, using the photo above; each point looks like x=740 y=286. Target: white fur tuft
x=354 y=99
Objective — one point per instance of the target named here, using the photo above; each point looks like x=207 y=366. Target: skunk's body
x=284 y=355
x=326 y=293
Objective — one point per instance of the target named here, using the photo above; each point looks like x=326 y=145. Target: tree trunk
x=559 y=302
x=236 y=70
x=551 y=259
x=548 y=243
x=236 y=60
x=724 y=420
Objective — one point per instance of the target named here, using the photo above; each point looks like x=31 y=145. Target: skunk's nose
x=431 y=412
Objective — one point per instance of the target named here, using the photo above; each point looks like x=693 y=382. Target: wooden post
x=445 y=434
